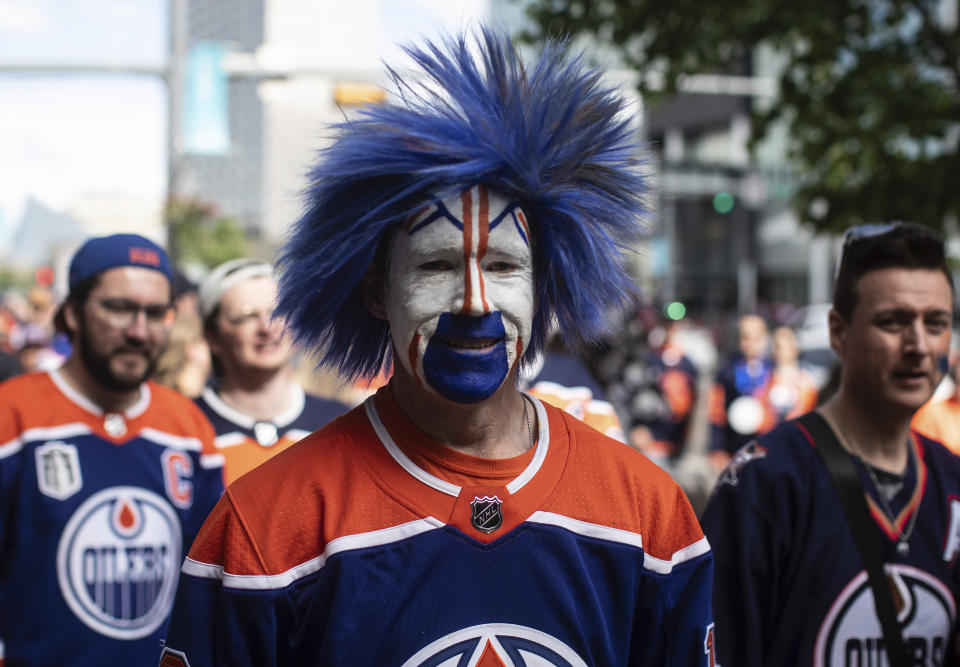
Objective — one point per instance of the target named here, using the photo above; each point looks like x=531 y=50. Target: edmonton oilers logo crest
x=486 y=516
x=502 y=644
x=851 y=634
x=118 y=561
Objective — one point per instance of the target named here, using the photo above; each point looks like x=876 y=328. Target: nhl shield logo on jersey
x=58 y=470
x=118 y=561
x=486 y=516
x=851 y=633
x=496 y=644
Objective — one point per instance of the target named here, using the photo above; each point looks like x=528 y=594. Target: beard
x=98 y=365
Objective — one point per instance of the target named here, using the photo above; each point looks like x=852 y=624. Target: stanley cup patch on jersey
x=118 y=561
x=496 y=644
x=486 y=516
x=58 y=470
x=851 y=633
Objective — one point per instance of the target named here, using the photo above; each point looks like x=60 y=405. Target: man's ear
x=837 y=326
x=69 y=317
x=374 y=291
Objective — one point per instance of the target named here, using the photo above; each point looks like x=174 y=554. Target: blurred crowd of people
x=648 y=385
x=28 y=341
x=677 y=390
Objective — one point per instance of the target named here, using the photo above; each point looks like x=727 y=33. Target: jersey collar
x=431 y=480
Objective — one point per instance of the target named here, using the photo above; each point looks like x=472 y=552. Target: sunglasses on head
x=872 y=230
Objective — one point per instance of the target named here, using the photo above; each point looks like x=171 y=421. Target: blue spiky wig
x=548 y=134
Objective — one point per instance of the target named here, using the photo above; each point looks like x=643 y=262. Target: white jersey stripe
x=261 y=582
x=449 y=488
x=698 y=548
x=173 y=441
x=588 y=529
x=657 y=565
x=43 y=434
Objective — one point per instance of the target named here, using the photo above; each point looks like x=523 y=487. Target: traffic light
x=675 y=310
x=723 y=202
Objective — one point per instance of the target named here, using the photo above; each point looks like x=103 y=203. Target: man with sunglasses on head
x=105 y=476
x=792 y=509
x=255 y=405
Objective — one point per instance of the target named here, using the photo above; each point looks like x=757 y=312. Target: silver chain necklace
x=526 y=418
x=903 y=536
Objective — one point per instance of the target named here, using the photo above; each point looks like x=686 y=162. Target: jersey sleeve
x=208 y=479
x=10 y=465
x=9 y=472
x=216 y=619
x=745 y=548
x=684 y=582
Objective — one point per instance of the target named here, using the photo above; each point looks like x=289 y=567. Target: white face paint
x=460 y=293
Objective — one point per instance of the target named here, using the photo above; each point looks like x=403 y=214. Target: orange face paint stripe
x=523 y=223
x=484 y=228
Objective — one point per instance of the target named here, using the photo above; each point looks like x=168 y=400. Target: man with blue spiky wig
x=452 y=519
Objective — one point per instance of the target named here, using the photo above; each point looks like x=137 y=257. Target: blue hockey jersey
x=378 y=546
x=97 y=512
x=790 y=588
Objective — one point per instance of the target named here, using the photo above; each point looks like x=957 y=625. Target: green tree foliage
x=869 y=90
x=199 y=236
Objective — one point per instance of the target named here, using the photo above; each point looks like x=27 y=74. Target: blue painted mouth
x=466 y=359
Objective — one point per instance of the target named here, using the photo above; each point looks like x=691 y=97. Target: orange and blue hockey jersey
x=246 y=442
x=368 y=544
x=97 y=512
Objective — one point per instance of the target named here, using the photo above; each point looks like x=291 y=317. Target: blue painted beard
x=461 y=374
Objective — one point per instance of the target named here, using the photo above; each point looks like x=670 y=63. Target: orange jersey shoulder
x=33 y=401
x=319 y=489
x=336 y=484
x=173 y=413
x=613 y=485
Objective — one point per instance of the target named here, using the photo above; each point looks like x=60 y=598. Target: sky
x=63 y=136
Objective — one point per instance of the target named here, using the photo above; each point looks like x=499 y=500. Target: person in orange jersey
x=452 y=518
x=105 y=476
x=939 y=418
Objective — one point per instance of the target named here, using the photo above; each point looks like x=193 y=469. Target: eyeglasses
x=248 y=316
x=123 y=314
